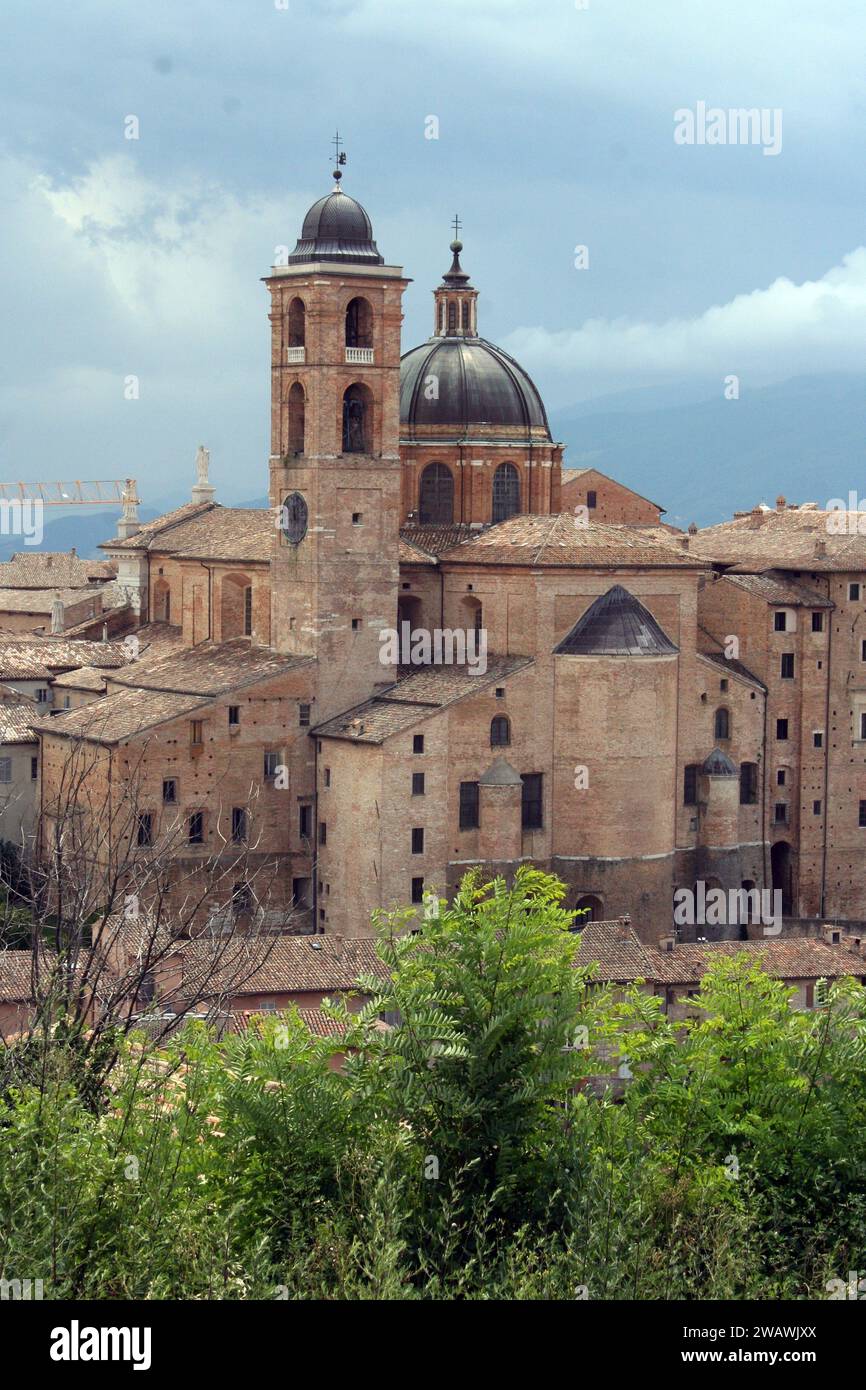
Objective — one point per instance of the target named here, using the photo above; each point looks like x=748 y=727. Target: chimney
x=781 y=503
x=203 y=490
x=832 y=935
x=74 y=553
x=820 y=549
x=756 y=518
x=666 y=945
x=693 y=528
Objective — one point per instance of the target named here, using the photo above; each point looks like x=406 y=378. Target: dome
x=337 y=229
x=718 y=764
x=479 y=386
x=616 y=624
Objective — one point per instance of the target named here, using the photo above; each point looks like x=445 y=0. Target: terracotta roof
x=437 y=539
x=776 y=587
x=793 y=539
x=410 y=554
x=208 y=531
x=44 y=654
x=16 y=720
x=42 y=600
x=793 y=958
x=318 y=1023
x=85 y=678
x=572 y=474
x=46 y=569
x=616 y=948
x=16 y=974
x=285 y=964
x=210 y=668
x=558 y=541
x=730 y=666
x=419 y=693
x=119 y=716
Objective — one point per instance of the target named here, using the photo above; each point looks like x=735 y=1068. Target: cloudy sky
x=556 y=130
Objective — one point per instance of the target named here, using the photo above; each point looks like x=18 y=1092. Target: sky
x=555 y=127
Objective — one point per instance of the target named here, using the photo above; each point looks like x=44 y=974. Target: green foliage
x=460 y=1154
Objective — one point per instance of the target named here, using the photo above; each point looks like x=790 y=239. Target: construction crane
x=108 y=492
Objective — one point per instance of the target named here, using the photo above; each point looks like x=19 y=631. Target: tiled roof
x=793 y=539
x=211 y=668
x=85 y=678
x=17 y=974
x=410 y=554
x=119 y=716
x=794 y=958
x=730 y=666
x=208 y=531
x=16 y=720
x=437 y=539
x=570 y=475
x=46 y=569
x=21 y=655
x=617 y=949
x=776 y=587
x=285 y=964
x=415 y=696
x=318 y=1023
x=558 y=541
x=42 y=600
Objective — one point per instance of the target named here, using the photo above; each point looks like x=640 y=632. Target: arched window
x=472 y=614
x=296 y=418
x=236 y=607
x=506 y=492
x=436 y=496
x=297 y=323
x=162 y=601
x=500 y=732
x=357 y=419
x=723 y=724
x=452 y=316
x=442 y=316
x=592 y=908
x=465 y=315
x=359 y=324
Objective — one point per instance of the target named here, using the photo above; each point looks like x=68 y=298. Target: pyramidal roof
x=617 y=624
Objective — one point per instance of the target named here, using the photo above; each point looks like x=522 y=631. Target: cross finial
x=456 y=224
x=339 y=155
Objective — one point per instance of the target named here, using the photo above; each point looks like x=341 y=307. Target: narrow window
x=234 y=716
x=862 y=818
x=417 y=743
x=780 y=621
x=532 y=805
x=690 y=784
x=787 y=666
x=196 y=828
x=816 y=808
x=863 y=724
x=781 y=777
x=781 y=812
x=196 y=733
x=417 y=783
x=468 y=805
x=304 y=716
x=323 y=832
x=34 y=768
x=781 y=729
x=817 y=620
x=305 y=821
x=748 y=784
x=500 y=732
x=5 y=769
x=817 y=740
x=854 y=592
x=417 y=839
x=169 y=791
x=272 y=763
x=239 y=825
x=591 y=500
x=722 y=724
x=248 y=611
x=145 y=828
x=417 y=890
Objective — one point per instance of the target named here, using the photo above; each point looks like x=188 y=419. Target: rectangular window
x=417 y=743
x=356 y=518
x=196 y=733
x=591 y=500
x=690 y=784
x=781 y=729
x=787 y=666
x=304 y=716
x=863 y=648
x=34 y=768
x=853 y=592
x=532 y=804
x=234 y=716
x=817 y=620
x=780 y=622
x=863 y=724
x=468 y=805
x=301 y=892
x=169 y=791
x=356 y=624
x=780 y=777
x=144 y=835
x=816 y=808
x=748 y=784
x=5 y=769
x=323 y=832
x=781 y=812
x=327 y=776
x=417 y=839
x=248 y=611
x=196 y=828
x=305 y=821
x=817 y=740
x=417 y=890
x=272 y=763
x=417 y=783
x=239 y=825
x=862 y=818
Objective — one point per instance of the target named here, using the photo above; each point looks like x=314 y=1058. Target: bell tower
x=455 y=300
x=336 y=314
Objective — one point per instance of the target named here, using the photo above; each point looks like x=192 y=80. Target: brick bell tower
x=336 y=314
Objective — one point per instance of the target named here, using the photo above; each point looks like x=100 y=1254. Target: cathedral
x=654 y=711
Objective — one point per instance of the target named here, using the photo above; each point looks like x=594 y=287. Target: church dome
x=479 y=385
x=337 y=228
x=616 y=624
x=718 y=764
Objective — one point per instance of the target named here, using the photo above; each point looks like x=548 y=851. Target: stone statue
x=57 y=614
x=202 y=464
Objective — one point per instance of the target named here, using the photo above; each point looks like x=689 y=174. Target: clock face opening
x=295 y=518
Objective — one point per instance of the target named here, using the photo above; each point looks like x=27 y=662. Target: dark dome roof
x=616 y=624
x=337 y=229
x=718 y=764
x=479 y=385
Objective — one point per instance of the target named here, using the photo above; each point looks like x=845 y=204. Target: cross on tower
x=457 y=224
x=339 y=155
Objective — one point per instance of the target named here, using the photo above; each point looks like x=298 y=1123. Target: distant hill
x=804 y=438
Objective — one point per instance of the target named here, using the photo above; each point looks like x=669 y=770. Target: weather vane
x=339 y=156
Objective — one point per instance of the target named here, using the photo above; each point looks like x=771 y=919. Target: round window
x=295 y=517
